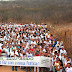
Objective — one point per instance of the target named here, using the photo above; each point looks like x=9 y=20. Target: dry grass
x=59 y=32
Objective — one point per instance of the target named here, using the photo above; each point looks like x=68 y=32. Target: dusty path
x=9 y=69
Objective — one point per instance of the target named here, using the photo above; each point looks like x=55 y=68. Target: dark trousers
x=27 y=69
x=43 y=69
x=15 y=68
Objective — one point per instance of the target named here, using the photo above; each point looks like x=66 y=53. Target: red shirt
x=31 y=49
x=0 y=50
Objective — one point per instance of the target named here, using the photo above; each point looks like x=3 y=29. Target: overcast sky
x=6 y=0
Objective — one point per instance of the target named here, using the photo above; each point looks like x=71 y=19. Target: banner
x=38 y=61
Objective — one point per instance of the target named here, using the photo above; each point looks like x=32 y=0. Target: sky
x=6 y=0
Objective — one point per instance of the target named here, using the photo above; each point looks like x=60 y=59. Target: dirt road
x=9 y=69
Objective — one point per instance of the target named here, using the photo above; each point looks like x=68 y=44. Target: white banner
x=38 y=61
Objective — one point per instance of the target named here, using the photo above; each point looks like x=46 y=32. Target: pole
x=65 y=40
x=70 y=39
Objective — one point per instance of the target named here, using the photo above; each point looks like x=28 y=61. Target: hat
x=68 y=62
x=57 y=44
x=62 y=46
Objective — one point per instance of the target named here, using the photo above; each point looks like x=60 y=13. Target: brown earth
x=9 y=69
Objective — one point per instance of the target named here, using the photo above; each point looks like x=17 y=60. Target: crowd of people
x=28 y=40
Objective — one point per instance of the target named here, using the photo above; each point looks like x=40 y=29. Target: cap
x=68 y=62
x=62 y=46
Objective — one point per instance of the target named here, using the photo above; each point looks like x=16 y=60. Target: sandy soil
x=9 y=69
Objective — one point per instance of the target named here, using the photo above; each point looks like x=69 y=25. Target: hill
x=55 y=11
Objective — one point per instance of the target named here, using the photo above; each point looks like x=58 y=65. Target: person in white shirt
x=69 y=68
x=7 y=51
x=61 y=43
x=59 y=67
x=62 y=57
x=33 y=42
x=44 y=50
x=48 y=35
x=66 y=61
x=15 y=55
x=63 y=50
x=29 y=54
x=0 y=48
x=21 y=54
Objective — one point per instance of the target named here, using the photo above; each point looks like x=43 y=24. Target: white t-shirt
x=49 y=41
x=63 y=51
x=12 y=54
x=41 y=36
x=62 y=58
x=33 y=42
x=24 y=35
x=7 y=51
x=1 y=39
x=59 y=70
x=44 y=50
x=1 y=46
x=66 y=62
x=21 y=55
x=14 y=47
x=29 y=55
x=53 y=60
x=48 y=35
x=18 y=36
x=68 y=69
x=5 y=37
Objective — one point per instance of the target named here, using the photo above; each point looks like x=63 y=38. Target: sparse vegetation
x=55 y=11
